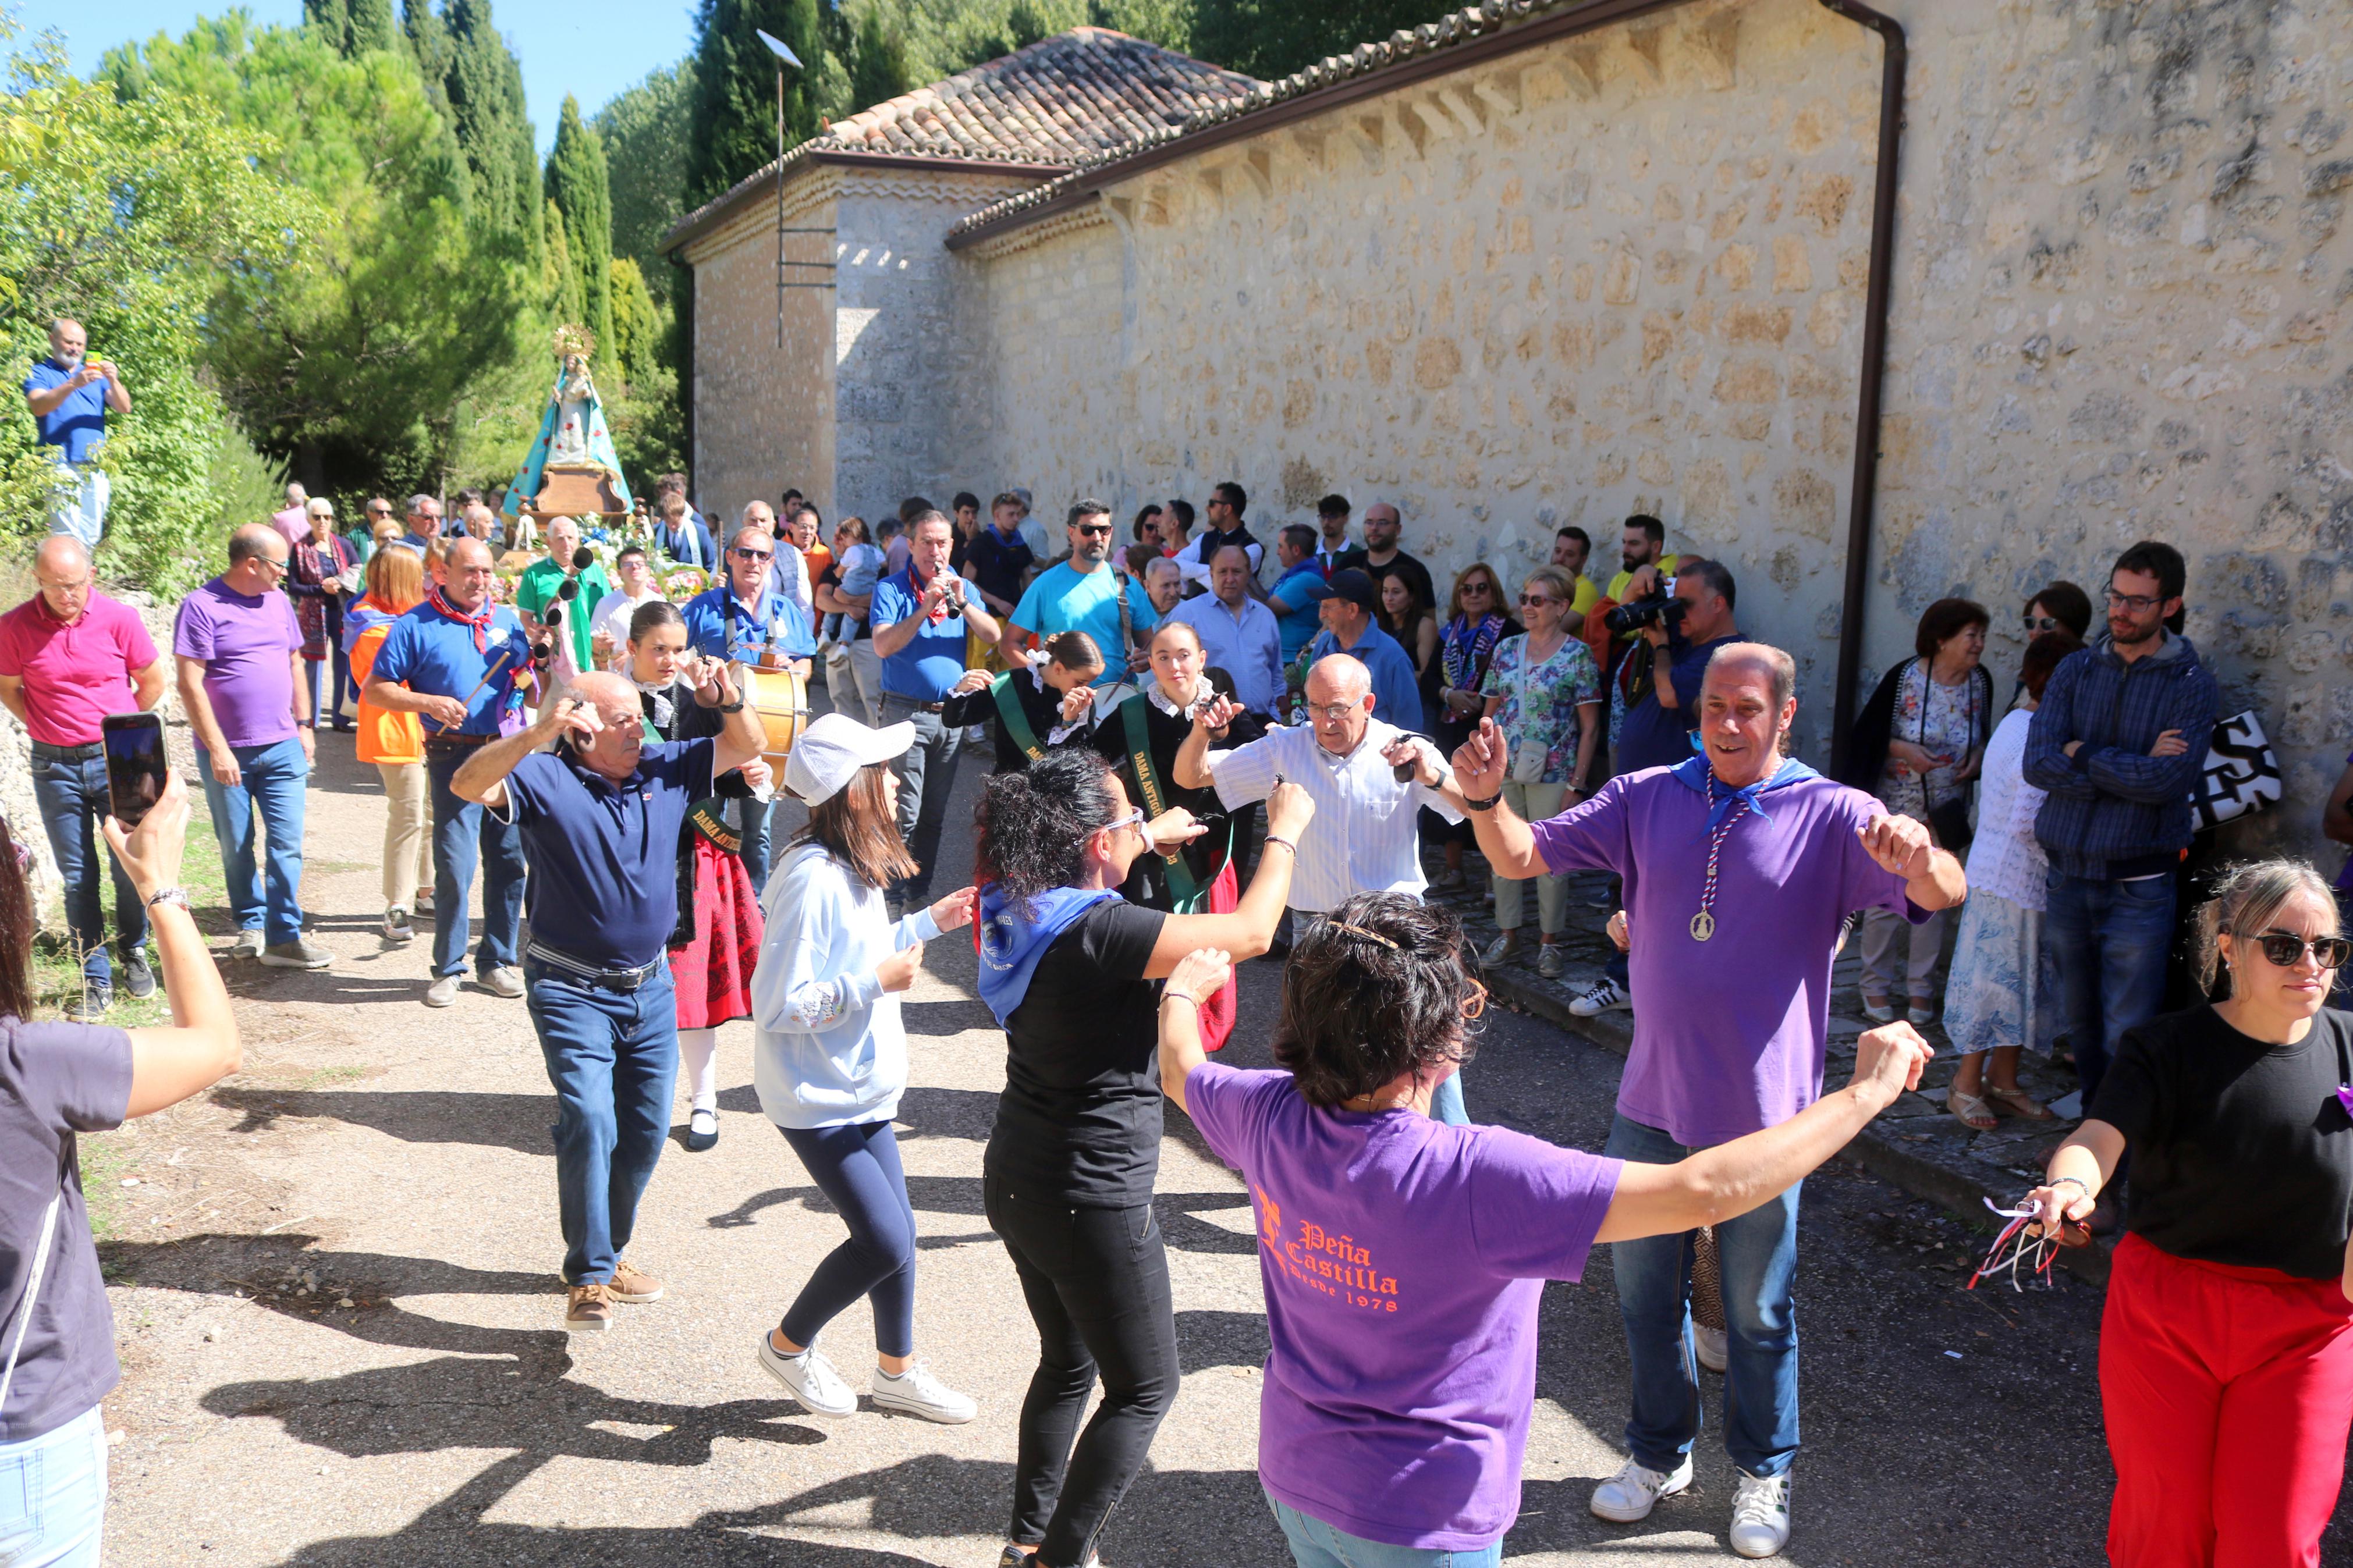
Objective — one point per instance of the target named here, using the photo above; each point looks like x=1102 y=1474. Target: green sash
x=1192 y=894
x=1010 y=715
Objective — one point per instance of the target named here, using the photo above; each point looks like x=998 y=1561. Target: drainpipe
x=1877 y=303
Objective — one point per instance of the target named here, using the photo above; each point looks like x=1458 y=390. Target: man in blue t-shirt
x=1349 y=628
x=462 y=664
x=920 y=617
x=1298 y=591
x=742 y=619
x=1084 y=594
x=598 y=815
x=69 y=398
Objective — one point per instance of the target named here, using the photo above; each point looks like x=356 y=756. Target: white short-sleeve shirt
x=1364 y=836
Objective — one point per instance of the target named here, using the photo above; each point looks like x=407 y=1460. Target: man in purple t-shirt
x=240 y=650
x=1403 y=1259
x=1740 y=866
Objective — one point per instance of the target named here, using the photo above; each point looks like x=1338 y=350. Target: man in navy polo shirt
x=69 y=399
x=740 y=620
x=920 y=617
x=599 y=818
x=463 y=663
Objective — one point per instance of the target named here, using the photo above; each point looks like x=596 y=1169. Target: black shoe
x=696 y=1140
x=90 y=1005
x=137 y=978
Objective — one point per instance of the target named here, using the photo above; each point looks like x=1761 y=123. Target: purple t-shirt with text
x=1728 y=1033
x=244 y=641
x=1403 y=1261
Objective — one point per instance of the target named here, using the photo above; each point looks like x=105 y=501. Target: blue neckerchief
x=1011 y=945
x=1694 y=774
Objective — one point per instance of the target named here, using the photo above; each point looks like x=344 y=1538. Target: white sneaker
x=1713 y=1346
x=809 y=1378
x=396 y=929
x=918 y=1393
x=1604 y=994
x=1635 y=1489
x=248 y=944
x=1760 y=1515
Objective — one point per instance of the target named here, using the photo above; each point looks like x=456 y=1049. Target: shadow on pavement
x=516 y=1122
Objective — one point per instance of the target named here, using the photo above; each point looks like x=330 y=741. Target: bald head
x=67 y=338
x=1338 y=677
x=611 y=752
x=61 y=555
x=1339 y=703
x=608 y=692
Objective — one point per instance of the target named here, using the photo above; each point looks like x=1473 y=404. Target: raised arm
x=1249 y=929
x=483 y=777
x=1508 y=842
x=202 y=1047
x=1729 y=1180
x=1200 y=977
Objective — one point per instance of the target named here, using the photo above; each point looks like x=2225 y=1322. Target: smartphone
x=135 y=764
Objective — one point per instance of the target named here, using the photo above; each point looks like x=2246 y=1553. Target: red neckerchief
x=939 y=612
x=480 y=623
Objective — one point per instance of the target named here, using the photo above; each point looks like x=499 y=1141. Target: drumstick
x=504 y=654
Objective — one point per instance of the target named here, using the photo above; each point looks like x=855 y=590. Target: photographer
x=69 y=395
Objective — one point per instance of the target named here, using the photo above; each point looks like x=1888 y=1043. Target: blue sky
x=591 y=48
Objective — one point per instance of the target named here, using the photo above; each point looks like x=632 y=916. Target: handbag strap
x=33 y=1286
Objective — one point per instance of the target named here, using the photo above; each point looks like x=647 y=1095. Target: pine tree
x=881 y=72
x=351 y=26
x=734 y=129
x=580 y=199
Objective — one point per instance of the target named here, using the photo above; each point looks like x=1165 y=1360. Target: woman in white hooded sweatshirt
x=830 y=1057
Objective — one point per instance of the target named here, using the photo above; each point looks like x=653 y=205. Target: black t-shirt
x=1404 y=565
x=997 y=562
x=1078 y=1122
x=2242 y=1153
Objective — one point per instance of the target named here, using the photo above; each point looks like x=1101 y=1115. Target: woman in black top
x=2226 y=1350
x=1054 y=699
x=1068 y=967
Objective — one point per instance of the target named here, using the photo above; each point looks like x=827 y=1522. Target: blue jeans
x=926 y=777
x=72 y=797
x=460 y=827
x=326 y=707
x=53 y=1496
x=273 y=786
x=1758 y=1257
x=613 y=1058
x=755 y=852
x=857 y=1168
x=2111 y=940
x=1315 y=1544
x=77 y=500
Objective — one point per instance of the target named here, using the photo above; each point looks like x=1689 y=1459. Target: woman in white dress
x=2002 y=993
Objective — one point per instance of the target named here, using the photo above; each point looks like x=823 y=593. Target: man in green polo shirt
x=542 y=580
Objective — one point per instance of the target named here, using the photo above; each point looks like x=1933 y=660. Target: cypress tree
x=352 y=27
x=561 y=282
x=880 y=71
x=485 y=88
x=428 y=40
x=734 y=128
x=581 y=200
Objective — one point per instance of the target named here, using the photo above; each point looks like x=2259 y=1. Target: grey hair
x=2246 y=902
x=1162 y=566
x=1780 y=665
x=419 y=501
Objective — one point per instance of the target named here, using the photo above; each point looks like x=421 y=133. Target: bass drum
x=781 y=699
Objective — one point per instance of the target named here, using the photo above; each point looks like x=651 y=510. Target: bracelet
x=2081 y=1186
x=168 y=896
x=1181 y=996
x=1271 y=840
x=734 y=707
x=1487 y=804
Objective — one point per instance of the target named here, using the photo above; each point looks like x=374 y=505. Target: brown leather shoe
x=633 y=1286
x=588 y=1309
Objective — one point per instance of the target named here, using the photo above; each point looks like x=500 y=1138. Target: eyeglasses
x=1474 y=1001
x=2139 y=604
x=2286 y=949
x=1478 y=588
x=1336 y=712
x=273 y=566
x=1134 y=819
x=754 y=554
x=1529 y=601
x=2042 y=624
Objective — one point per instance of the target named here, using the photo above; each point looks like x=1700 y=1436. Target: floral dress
x=1540 y=703
x=1943 y=721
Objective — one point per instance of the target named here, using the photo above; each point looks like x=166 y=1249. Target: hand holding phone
x=136 y=769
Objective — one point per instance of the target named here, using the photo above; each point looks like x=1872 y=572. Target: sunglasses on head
x=2286 y=949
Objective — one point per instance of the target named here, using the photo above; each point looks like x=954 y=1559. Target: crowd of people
x=1188 y=775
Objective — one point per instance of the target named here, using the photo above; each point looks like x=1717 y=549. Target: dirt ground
x=338 y=1311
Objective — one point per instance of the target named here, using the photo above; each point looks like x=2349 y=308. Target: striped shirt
x=1364 y=838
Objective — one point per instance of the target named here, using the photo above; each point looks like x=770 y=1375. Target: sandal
x=1968 y=1109
x=2020 y=1104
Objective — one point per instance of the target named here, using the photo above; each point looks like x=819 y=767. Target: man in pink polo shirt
x=68 y=657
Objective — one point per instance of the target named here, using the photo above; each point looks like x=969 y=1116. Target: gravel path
x=338 y=1307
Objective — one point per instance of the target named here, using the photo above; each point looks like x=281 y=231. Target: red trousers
x=2227 y=1394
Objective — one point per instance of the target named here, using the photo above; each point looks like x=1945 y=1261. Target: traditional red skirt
x=712 y=972
x=1217 y=1011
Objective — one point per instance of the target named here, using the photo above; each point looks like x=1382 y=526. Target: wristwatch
x=734 y=707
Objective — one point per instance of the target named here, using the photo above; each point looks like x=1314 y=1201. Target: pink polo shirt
x=74 y=675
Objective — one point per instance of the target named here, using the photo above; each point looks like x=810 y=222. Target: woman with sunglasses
x=2226 y=1346
x=1477 y=621
x=1543 y=691
x=1404 y=1259
x=1070 y=970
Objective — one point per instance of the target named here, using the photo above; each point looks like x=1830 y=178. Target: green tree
x=121 y=214
x=881 y=72
x=1271 y=38
x=638 y=324
x=559 y=280
x=486 y=109
x=355 y=364
x=353 y=26
x=581 y=202
x=429 y=43
x=644 y=135
x=733 y=128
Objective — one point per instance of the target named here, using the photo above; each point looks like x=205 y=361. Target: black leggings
x=1097 y=1283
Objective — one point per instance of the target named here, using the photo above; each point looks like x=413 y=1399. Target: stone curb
x=1884 y=1153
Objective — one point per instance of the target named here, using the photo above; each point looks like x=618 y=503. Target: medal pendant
x=1703 y=926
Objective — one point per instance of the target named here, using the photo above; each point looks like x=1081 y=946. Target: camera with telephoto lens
x=1637 y=614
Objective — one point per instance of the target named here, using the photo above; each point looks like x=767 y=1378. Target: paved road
x=398 y=1159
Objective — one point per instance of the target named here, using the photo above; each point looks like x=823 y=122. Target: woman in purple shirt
x=57 y=1080
x=1403 y=1259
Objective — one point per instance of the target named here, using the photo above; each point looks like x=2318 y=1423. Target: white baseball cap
x=829 y=753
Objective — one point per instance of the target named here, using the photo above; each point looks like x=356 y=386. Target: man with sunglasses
x=745 y=619
x=2118 y=744
x=1084 y=595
